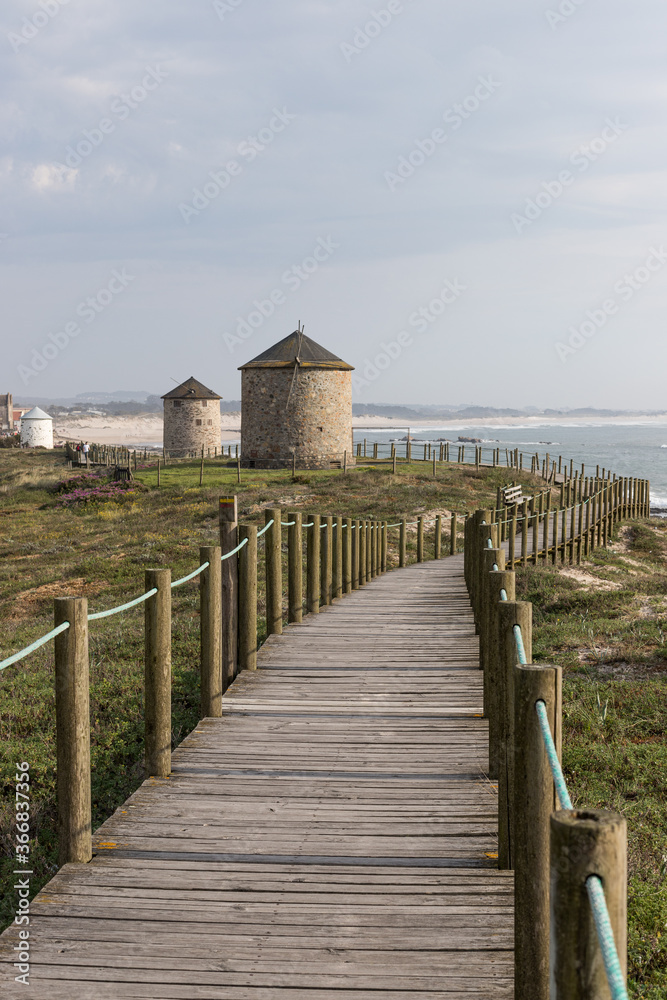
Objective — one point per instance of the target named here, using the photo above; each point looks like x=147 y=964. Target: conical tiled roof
x=36 y=414
x=191 y=389
x=297 y=349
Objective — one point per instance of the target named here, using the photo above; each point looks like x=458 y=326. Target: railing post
x=585 y=843
x=313 y=564
x=338 y=561
x=295 y=568
x=402 y=543
x=347 y=539
x=248 y=598
x=369 y=550
x=534 y=801
x=453 y=529
x=420 y=539
x=273 y=558
x=72 y=731
x=374 y=549
x=326 y=568
x=355 y=555
x=157 y=667
x=361 y=530
x=229 y=587
x=385 y=546
x=510 y=613
x=210 y=625
x=500 y=579
x=437 y=542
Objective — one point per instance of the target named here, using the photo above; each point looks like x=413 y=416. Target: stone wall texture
x=193 y=424
x=309 y=415
x=37 y=433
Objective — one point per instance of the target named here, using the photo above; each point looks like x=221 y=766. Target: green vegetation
x=606 y=623
x=100 y=549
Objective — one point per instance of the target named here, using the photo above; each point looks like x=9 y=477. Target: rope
x=520 y=648
x=265 y=528
x=234 y=551
x=123 y=607
x=503 y=595
x=33 y=646
x=612 y=965
x=191 y=576
x=308 y=525
x=288 y=524
x=556 y=770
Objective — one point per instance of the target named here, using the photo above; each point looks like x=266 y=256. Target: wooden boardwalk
x=332 y=837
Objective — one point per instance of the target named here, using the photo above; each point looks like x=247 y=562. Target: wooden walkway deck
x=332 y=836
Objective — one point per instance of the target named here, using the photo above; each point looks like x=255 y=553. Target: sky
x=466 y=201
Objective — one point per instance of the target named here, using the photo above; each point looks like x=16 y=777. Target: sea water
x=627 y=449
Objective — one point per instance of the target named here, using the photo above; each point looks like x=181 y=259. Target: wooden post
x=157 y=674
x=362 y=552
x=273 y=560
x=500 y=579
x=420 y=539
x=337 y=566
x=158 y=471
x=293 y=464
x=295 y=567
x=210 y=626
x=434 y=464
x=384 y=547
x=355 y=531
x=369 y=550
x=229 y=586
x=402 y=543
x=344 y=462
x=238 y=466
x=511 y=559
x=72 y=731
x=524 y=533
x=393 y=463
x=534 y=801
x=510 y=613
x=248 y=598
x=326 y=564
x=201 y=469
x=437 y=544
x=587 y=843
x=347 y=539
x=313 y=549
x=453 y=535
x=374 y=549
x=536 y=536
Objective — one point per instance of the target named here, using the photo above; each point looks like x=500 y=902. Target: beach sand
x=147 y=429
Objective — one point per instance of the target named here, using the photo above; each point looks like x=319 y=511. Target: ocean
x=627 y=449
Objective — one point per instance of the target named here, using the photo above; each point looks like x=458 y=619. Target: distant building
x=7 y=412
x=296 y=400
x=191 y=419
x=36 y=429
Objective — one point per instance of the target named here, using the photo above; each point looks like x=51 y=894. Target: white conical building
x=36 y=429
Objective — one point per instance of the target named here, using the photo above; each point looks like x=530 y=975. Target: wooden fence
x=558 y=856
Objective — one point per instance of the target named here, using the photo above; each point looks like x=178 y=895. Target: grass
x=605 y=623
x=100 y=550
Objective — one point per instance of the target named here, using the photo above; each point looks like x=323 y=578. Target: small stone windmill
x=296 y=405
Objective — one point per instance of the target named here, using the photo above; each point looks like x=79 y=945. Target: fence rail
x=569 y=864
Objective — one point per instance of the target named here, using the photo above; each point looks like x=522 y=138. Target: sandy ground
x=148 y=429
x=145 y=430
